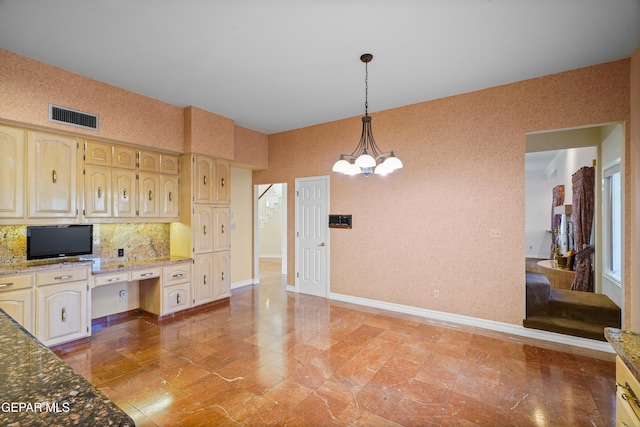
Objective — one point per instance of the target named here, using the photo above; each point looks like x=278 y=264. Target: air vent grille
x=68 y=116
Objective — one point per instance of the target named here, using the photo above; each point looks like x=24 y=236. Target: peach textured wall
x=27 y=87
x=426 y=227
x=632 y=274
x=251 y=148
x=208 y=133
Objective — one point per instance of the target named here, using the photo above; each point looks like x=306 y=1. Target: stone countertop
x=98 y=265
x=37 y=388
x=106 y=266
x=627 y=346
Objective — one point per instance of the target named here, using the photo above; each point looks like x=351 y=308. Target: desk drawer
x=145 y=273
x=179 y=273
x=61 y=276
x=12 y=283
x=108 y=279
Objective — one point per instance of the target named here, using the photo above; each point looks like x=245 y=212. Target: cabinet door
x=53 y=171
x=203 y=285
x=149 y=161
x=12 y=164
x=125 y=193
x=175 y=298
x=170 y=203
x=19 y=305
x=124 y=157
x=222 y=284
x=204 y=188
x=203 y=231
x=223 y=195
x=148 y=196
x=62 y=313
x=97 y=192
x=222 y=240
x=97 y=153
x=169 y=164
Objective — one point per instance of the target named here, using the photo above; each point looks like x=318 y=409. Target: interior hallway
x=272 y=357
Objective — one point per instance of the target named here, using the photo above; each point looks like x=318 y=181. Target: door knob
x=322 y=244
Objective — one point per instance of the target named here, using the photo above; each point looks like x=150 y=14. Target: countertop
x=627 y=345
x=37 y=388
x=98 y=265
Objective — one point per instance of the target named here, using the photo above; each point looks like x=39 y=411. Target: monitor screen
x=55 y=241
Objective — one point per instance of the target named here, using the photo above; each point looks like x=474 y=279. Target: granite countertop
x=37 y=388
x=98 y=265
x=105 y=266
x=627 y=345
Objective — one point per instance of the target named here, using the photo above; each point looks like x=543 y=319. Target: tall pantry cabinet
x=204 y=232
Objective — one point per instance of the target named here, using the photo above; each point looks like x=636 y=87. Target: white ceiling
x=284 y=64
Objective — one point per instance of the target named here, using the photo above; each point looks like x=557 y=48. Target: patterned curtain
x=582 y=215
x=556 y=220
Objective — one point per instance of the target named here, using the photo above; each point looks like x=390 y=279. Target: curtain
x=556 y=220
x=582 y=216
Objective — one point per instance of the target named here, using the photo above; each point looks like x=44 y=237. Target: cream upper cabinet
x=204 y=175
x=169 y=164
x=223 y=193
x=52 y=171
x=149 y=161
x=222 y=240
x=203 y=229
x=124 y=157
x=170 y=193
x=124 y=193
x=97 y=192
x=98 y=153
x=148 y=195
x=221 y=267
x=12 y=162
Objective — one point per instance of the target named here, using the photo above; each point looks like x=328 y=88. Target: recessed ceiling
x=278 y=65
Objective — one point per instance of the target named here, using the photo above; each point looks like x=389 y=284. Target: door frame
x=327 y=272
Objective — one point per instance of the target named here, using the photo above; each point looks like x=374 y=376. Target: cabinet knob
x=63 y=314
x=204 y=280
x=124 y=193
x=170 y=196
x=222 y=276
x=150 y=195
x=6 y=285
x=204 y=229
x=222 y=182
x=178 y=299
x=222 y=228
x=99 y=192
x=54 y=176
x=204 y=180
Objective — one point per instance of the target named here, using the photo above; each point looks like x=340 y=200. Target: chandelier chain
x=366 y=88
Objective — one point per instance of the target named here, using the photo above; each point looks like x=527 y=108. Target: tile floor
x=275 y=358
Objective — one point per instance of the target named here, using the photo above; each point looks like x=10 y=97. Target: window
x=612 y=222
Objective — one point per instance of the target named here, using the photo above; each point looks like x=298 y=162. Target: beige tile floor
x=269 y=357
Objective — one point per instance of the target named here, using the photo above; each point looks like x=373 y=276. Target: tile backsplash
x=145 y=240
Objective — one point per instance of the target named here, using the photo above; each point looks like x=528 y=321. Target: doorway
x=270 y=228
x=312 y=235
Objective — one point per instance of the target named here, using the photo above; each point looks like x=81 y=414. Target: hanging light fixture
x=367 y=158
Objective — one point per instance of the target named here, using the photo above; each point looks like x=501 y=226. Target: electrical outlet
x=120 y=252
x=436 y=293
x=123 y=295
x=495 y=233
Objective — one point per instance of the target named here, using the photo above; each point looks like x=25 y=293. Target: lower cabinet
x=62 y=312
x=176 y=298
x=221 y=269
x=19 y=305
x=203 y=284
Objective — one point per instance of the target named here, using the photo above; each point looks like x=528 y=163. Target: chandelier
x=367 y=158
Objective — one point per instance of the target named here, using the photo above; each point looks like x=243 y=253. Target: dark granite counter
x=39 y=389
x=627 y=345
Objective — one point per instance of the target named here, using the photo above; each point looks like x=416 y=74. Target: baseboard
x=278 y=256
x=476 y=322
x=242 y=283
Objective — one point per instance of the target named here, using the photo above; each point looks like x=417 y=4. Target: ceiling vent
x=71 y=117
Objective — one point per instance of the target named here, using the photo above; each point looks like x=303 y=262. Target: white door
x=312 y=232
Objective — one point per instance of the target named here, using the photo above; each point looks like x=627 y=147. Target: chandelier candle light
x=367 y=158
